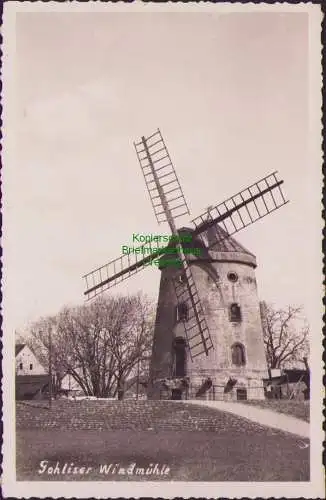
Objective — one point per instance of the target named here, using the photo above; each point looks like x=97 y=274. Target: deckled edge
x=323 y=24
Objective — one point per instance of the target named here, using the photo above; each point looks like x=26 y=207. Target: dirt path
x=261 y=416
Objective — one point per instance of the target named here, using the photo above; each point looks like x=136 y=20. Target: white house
x=26 y=361
x=68 y=383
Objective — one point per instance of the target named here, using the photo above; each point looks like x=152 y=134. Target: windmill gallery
x=208 y=329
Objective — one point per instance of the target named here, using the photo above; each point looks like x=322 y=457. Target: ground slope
x=195 y=442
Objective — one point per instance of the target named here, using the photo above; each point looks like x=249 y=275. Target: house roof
x=29 y=385
x=18 y=348
x=289 y=376
x=295 y=374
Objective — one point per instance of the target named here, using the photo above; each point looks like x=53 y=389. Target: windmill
x=219 y=222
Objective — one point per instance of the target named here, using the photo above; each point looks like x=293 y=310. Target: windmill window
x=182 y=312
x=238 y=354
x=233 y=277
x=20 y=366
x=235 y=313
x=31 y=366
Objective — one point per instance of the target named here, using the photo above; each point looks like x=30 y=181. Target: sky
x=230 y=93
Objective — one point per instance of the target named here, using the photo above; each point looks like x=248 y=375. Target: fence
x=214 y=393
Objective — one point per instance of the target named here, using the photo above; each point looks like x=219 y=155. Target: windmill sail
x=242 y=209
x=118 y=270
x=197 y=333
x=160 y=178
x=169 y=203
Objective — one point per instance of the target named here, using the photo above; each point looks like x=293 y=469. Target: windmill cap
x=218 y=240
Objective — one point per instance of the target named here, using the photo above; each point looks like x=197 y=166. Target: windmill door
x=180 y=357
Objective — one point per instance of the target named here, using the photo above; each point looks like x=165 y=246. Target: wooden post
x=295 y=386
x=288 y=386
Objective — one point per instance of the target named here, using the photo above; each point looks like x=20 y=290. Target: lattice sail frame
x=120 y=269
x=156 y=165
x=197 y=333
x=243 y=209
x=168 y=205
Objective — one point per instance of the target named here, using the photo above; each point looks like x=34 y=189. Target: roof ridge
x=19 y=347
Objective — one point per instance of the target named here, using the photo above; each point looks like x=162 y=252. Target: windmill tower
x=208 y=328
x=226 y=284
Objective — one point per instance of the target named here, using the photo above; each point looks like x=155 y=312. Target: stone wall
x=130 y=415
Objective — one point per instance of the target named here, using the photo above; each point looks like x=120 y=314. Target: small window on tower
x=238 y=354
x=31 y=366
x=233 y=277
x=20 y=366
x=235 y=313
x=182 y=312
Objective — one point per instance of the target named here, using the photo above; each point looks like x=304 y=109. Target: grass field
x=298 y=409
x=196 y=443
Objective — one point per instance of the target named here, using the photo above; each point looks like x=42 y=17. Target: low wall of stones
x=126 y=415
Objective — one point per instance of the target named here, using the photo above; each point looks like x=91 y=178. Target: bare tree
x=285 y=335
x=98 y=344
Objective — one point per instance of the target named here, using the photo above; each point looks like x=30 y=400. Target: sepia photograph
x=162 y=262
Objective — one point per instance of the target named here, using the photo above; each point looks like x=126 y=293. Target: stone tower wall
x=216 y=297
x=161 y=364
